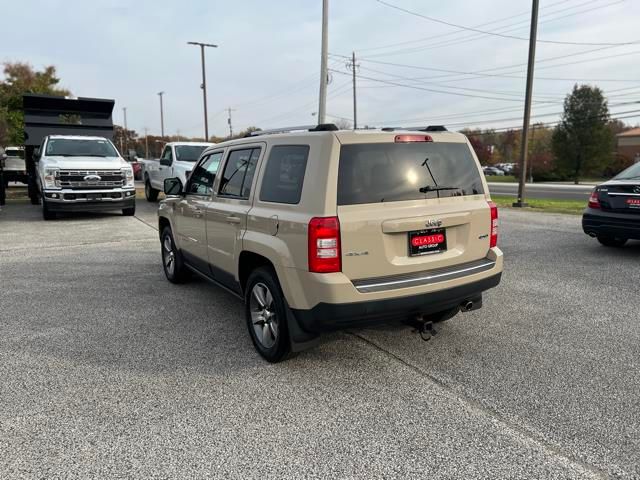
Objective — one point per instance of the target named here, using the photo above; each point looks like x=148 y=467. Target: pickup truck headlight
x=51 y=178
x=128 y=175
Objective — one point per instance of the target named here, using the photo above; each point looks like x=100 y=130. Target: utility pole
x=126 y=145
x=146 y=142
x=527 y=106
x=324 y=72
x=204 y=85
x=160 y=94
x=353 y=66
x=229 y=110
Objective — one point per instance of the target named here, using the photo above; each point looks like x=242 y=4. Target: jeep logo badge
x=92 y=178
x=433 y=223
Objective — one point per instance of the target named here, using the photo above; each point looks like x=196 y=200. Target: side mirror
x=3 y=157
x=165 y=161
x=173 y=186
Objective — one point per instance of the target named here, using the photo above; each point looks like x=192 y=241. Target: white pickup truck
x=15 y=169
x=177 y=160
x=82 y=173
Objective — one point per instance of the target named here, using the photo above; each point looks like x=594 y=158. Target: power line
x=554 y=123
x=432 y=37
x=483 y=73
x=339 y=90
x=513 y=37
x=502 y=30
x=486 y=97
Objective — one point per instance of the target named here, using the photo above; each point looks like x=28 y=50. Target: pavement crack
x=74 y=245
x=146 y=223
x=477 y=406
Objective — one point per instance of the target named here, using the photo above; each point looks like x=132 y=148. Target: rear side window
x=284 y=175
x=238 y=173
x=391 y=172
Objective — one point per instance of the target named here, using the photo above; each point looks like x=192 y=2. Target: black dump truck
x=46 y=115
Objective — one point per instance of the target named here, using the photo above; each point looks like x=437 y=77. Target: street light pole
x=160 y=94
x=204 y=85
x=126 y=145
x=527 y=106
x=324 y=71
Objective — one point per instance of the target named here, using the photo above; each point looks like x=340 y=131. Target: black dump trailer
x=50 y=115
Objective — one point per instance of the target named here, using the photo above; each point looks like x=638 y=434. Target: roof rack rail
x=324 y=127
x=430 y=128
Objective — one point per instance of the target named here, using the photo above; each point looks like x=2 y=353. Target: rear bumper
x=596 y=222
x=328 y=316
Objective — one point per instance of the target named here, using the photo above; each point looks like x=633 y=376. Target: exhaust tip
x=466 y=306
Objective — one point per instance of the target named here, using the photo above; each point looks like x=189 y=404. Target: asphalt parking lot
x=109 y=371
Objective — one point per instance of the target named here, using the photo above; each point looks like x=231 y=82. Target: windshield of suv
x=631 y=173
x=391 y=172
x=189 y=153
x=14 y=152
x=67 y=147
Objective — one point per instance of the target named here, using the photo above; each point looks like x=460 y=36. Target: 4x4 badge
x=434 y=223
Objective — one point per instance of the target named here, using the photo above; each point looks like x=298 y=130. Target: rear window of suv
x=391 y=172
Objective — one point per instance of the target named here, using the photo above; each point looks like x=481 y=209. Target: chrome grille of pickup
x=90 y=179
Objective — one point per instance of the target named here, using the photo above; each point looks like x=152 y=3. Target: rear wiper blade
x=429 y=188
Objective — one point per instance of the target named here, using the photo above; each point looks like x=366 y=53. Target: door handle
x=197 y=212
x=233 y=219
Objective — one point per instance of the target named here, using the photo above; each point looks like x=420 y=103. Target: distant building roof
x=634 y=132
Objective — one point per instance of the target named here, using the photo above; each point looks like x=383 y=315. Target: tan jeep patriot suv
x=325 y=229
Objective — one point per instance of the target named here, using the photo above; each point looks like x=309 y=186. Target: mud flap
x=300 y=340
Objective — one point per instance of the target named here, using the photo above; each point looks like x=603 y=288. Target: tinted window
x=202 y=177
x=284 y=175
x=238 y=173
x=391 y=172
x=631 y=173
x=189 y=153
x=80 y=148
x=12 y=152
x=167 y=155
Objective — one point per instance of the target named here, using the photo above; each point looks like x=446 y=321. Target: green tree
x=582 y=143
x=21 y=78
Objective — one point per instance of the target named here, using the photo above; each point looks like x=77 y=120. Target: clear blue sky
x=267 y=66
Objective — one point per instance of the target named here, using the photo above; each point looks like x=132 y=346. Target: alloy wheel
x=263 y=315
x=169 y=255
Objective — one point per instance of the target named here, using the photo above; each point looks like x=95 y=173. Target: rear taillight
x=593 y=200
x=493 y=236
x=413 y=138
x=324 y=245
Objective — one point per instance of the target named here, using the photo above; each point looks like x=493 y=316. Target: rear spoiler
x=50 y=115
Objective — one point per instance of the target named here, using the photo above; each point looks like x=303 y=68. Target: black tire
x=175 y=271
x=273 y=342
x=442 y=316
x=150 y=193
x=46 y=213
x=611 y=241
x=129 y=212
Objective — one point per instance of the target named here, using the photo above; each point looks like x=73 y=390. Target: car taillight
x=324 y=245
x=593 y=200
x=413 y=138
x=493 y=236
